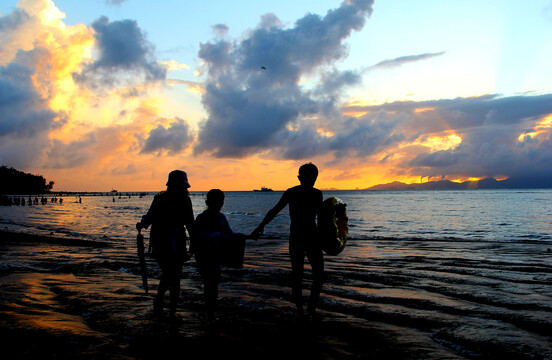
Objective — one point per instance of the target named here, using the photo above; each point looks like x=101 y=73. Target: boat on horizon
x=263 y=189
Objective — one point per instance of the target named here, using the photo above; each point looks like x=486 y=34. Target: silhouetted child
x=169 y=214
x=213 y=240
x=304 y=203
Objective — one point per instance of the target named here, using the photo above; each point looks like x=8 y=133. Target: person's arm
x=271 y=214
x=227 y=230
x=147 y=219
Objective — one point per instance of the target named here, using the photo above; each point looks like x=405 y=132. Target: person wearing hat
x=170 y=215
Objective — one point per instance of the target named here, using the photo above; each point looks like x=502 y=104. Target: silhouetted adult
x=304 y=203
x=170 y=215
x=211 y=239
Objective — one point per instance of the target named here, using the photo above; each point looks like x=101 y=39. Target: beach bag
x=232 y=252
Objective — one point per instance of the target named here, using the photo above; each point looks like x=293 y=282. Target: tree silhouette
x=13 y=181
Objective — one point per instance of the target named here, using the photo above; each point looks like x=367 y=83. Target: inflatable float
x=333 y=225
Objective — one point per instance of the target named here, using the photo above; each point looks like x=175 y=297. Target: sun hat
x=178 y=177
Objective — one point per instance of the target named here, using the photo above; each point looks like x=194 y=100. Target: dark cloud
x=392 y=63
x=124 y=170
x=220 y=29
x=350 y=137
x=252 y=93
x=490 y=127
x=70 y=155
x=23 y=112
x=124 y=53
x=173 y=139
x=366 y=136
x=115 y=2
x=25 y=117
x=332 y=82
x=13 y=20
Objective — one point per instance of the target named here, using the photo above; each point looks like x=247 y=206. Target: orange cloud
x=542 y=127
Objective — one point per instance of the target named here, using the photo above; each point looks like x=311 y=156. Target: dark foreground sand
x=66 y=298
x=99 y=313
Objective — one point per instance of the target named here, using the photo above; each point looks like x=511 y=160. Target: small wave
x=456 y=347
x=241 y=213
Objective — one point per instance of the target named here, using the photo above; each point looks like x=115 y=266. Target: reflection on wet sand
x=38 y=307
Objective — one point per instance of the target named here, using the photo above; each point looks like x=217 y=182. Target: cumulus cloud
x=173 y=139
x=253 y=93
x=396 y=62
x=124 y=54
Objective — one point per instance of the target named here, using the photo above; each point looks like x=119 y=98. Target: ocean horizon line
x=151 y=192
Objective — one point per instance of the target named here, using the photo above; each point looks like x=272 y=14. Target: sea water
x=468 y=270
x=469 y=215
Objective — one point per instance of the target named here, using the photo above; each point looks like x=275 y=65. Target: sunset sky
x=103 y=94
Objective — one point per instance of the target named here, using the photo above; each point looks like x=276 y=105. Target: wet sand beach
x=72 y=298
x=51 y=310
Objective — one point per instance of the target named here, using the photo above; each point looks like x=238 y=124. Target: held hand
x=241 y=236
x=257 y=233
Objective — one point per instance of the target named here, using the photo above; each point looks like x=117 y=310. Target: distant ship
x=263 y=189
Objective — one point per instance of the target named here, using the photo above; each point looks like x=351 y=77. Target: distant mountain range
x=488 y=183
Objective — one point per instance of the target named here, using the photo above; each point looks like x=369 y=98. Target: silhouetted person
x=170 y=215
x=304 y=202
x=212 y=236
